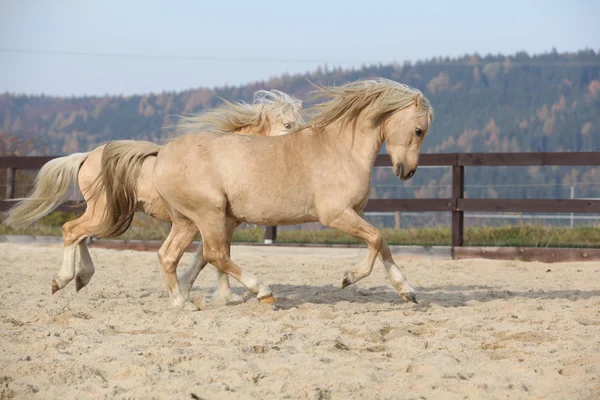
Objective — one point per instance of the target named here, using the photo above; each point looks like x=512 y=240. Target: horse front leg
x=222 y=293
x=354 y=223
x=350 y=222
x=217 y=233
x=395 y=275
x=399 y=281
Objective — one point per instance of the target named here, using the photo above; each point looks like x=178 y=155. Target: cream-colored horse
x=321 y=173
x=273 y=113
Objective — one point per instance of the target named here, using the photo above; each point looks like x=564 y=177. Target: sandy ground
x=483 y=329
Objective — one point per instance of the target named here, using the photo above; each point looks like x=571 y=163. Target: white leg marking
x=86 y=268
x=255 y=286
x=66 y=273
x=187 y=279
x=222 y=293
x=179 y=300
x=397 y=278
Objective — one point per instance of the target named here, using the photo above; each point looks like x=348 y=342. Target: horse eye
x=419 y=132
x=287 y=125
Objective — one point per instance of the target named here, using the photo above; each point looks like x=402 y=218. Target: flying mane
x=348 y=101
x=231 y=117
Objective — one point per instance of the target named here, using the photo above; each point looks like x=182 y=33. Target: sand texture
x=482 y=330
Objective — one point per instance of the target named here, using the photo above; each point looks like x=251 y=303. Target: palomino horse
x=322 y=172
x=273 y=113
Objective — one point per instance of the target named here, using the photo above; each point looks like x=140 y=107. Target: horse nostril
x=410 y=174
x=398 y=169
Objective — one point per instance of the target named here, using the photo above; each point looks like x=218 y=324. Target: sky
x=91 y=47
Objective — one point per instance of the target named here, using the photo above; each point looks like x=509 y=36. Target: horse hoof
x=79 y=284
x=189 y=306
x=185 y=293
x=55 y=287
x=220 y=298
x=346 y=282
x=348 y=279
x=267 y=300
x=409 y=297
x=234 y=298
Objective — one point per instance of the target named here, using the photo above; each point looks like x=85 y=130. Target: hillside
x=547 y=102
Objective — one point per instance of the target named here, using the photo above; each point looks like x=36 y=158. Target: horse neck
x=364 y=144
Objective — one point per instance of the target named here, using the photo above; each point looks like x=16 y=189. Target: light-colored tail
x=50 y=189
x=121 y=165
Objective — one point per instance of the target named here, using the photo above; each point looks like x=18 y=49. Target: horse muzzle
x=401 y=173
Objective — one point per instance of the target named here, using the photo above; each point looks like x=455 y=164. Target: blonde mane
x=231 y=117
x=350 y=100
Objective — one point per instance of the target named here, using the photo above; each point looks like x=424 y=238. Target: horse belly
x=270 y=209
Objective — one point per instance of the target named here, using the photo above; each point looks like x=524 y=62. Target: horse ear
x=418 y=100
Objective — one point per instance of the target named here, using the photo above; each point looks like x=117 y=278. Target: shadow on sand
x=289 y=296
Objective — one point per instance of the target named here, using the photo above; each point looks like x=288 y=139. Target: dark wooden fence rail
x=456 y=204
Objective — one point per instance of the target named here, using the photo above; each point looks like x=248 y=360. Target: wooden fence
x=457 y=204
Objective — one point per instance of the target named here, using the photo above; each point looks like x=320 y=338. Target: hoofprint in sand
x=482 y=329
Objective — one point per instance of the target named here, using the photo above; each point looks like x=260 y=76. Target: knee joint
x=168 y=261
x=376 y=240
x=214 y=256
x=69 y=236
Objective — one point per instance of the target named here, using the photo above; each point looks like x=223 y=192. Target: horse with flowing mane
x=321 y=172
x=272 y=113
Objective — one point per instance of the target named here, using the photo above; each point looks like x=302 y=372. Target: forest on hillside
x=493 y=103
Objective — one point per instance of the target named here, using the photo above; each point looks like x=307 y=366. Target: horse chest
x=352 y=189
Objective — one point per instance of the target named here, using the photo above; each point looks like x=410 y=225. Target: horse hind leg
x=181 y=235
x=73 y=234
x=66 y=273
x=187 y=279
x=86 y=269
x=89 y=222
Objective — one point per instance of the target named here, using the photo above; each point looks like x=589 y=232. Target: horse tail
x=50 y=189
x=121 y=165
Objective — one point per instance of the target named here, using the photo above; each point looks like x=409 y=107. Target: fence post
x=270 y=234
x=10 y=183
x=572 y=215
x=458 y=192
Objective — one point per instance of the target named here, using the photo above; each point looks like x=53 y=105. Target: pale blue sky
x=254 y=40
